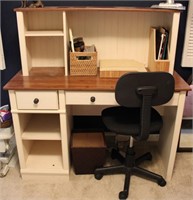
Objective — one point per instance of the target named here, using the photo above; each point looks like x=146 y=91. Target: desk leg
x=65 y=143
x=65 y=128
x=169 y=135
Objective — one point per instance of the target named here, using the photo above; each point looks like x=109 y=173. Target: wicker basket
x=6 y=124
x=83 y=63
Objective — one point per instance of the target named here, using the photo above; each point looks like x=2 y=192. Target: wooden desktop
x=58 y=98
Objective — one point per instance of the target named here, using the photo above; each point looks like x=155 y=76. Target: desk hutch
x=44 y=96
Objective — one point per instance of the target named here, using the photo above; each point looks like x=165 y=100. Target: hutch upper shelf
x=121 y=33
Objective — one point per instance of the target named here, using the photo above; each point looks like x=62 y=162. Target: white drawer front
x=90 y=98
x=37 y=100
x=102 y=98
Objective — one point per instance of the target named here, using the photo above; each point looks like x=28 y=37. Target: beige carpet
x=188 y=107
x=85 y=187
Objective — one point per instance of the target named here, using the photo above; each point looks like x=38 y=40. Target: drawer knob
x=92 y=99
x=36 y=101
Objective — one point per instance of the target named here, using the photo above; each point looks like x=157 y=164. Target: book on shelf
x=162 y=35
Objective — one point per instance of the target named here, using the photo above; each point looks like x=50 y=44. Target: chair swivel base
x=130 y=167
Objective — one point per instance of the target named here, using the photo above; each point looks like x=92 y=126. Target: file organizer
x=153 y=63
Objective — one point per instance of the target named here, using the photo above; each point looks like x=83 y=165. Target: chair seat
x=126 y=121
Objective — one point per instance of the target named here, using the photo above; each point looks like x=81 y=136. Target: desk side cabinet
x=40 y=124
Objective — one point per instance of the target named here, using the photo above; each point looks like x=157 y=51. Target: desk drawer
x=90 y=98
x=37 y=99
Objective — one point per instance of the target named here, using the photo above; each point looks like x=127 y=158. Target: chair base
x=129 y=168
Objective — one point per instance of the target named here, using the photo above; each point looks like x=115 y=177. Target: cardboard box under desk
x=88 y=152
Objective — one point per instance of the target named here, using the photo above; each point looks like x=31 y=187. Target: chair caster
x=161 y=182
x=98 y=176
x=123 y=195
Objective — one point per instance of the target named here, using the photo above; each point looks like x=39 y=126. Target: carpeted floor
x=188 y=107
x=85 y=187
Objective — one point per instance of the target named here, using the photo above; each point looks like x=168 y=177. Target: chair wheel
x=123 y=195
x=98 y=176
x=161 y=182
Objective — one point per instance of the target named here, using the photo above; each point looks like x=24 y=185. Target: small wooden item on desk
x=116 y=68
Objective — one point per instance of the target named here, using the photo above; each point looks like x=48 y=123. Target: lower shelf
x=43 y=157
x=186 y=139
x=47 y=71
x=186 y=136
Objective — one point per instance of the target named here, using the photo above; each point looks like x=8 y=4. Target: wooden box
x=116 y=68
x=88 y=152
x=83 y=63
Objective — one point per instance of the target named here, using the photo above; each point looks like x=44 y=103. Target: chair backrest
x=144 y=90
x=130 y=86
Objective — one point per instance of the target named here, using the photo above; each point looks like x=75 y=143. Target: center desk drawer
x=90 y=98
x=37 y=99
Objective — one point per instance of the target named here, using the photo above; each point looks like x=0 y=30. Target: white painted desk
x=42 y=108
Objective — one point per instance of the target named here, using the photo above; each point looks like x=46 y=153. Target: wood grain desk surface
x=96 y=8
x=74 y=83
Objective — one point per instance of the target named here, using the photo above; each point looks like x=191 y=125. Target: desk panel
x=90 y=98
x=102 y=98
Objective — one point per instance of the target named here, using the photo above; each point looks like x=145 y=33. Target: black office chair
x=136 y=93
